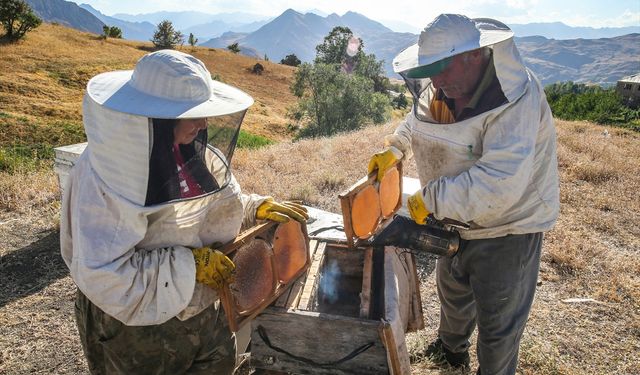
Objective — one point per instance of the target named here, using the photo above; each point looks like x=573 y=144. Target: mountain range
x=598 y=60
x=602 y=61
x=66 y=13
x=130 y=30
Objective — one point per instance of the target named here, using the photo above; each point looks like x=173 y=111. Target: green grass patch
x=21 y=158
x=252 y=141
x=24 y=131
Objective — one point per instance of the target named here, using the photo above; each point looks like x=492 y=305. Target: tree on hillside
x=111 y=32
x=291 y=60
x=341 y=48
x=166 y=36
x=192 y=40
x=368 y=66
x=343 y=89
x=17 y=18
x=331 y=101
x=235 y=48
x=335 y=48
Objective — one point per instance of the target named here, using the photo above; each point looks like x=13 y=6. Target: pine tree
x=166 y=36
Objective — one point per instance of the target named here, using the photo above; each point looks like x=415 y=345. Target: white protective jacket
x=496 y=171
x=135 y=262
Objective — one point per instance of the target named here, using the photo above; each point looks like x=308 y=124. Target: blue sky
x=593 y=13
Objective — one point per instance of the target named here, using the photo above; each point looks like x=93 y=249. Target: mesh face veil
x=422 y=91
x=191 y=158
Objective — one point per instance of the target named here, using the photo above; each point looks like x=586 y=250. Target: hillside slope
x=43 y=77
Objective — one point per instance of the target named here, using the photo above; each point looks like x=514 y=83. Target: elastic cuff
x=396 y=152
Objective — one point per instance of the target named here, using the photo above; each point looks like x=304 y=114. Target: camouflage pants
x=202 y=344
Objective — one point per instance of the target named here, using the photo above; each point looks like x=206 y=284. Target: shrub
x=257 y=69
x=570 y=101
x=400 y=101
x=331 y=101
x=252 y=141
x=235 y=48
x=192 y=40
x=291 y=60
x=111 y=32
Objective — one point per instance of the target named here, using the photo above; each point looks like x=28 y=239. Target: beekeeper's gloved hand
x=281 y=212
x=382 y=160
x=417 y=209
x=213 y=268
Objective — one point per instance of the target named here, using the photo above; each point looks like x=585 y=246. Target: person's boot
x=438 y=353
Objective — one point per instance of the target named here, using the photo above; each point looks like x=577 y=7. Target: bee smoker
x=435 y=237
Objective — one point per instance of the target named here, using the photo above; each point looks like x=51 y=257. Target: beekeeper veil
x=165 y=131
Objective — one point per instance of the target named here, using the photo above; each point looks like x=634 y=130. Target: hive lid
x=367 y=205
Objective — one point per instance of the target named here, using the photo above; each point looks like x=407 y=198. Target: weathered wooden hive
x=348 y=314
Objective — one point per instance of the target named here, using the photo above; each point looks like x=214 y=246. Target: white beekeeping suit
x=495 y=170
x=131 y=256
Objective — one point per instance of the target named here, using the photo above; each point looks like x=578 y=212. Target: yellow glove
x=382 y=160
x=417 y=209
x=281 y=212
x=213 y=268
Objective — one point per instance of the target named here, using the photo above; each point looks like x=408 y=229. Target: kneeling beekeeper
x=145 y=206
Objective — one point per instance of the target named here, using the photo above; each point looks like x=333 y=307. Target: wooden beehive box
x=349 y=313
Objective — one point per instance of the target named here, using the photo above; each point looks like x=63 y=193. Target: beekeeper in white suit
x=146 y=205
x=484 y=142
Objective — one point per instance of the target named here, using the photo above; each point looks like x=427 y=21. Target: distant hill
x=66 y=13
x=558 y=30
x=180 y=20
x=294 y=32
x=130 y=30
x=203 y=26
x=187 y=19
x=602 y=61
x=214 y=29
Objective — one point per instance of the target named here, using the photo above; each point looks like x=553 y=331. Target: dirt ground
x=585 y=318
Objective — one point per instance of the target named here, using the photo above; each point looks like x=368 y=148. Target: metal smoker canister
x=404 y=232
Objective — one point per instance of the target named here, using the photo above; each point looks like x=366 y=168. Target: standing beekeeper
x=484 y=142
x=146 y=205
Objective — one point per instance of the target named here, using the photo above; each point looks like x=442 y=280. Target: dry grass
x=313 y=171
x=593 y=251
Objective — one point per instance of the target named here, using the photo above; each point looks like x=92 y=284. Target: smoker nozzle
x=405 y=233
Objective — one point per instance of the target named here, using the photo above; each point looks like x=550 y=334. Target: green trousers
x=202 y=344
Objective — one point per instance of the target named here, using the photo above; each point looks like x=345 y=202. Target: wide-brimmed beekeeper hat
x=167 y=84
x=446 y=36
